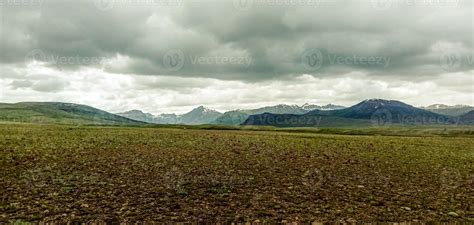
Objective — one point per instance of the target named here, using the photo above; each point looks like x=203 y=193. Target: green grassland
x=234 y=174
x=59 y=113
x=392 y=130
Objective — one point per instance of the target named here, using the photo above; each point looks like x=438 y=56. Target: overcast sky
x=173 y=55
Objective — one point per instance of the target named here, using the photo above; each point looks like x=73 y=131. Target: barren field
x=60 y=173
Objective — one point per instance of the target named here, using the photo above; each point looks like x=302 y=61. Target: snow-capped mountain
x=310 y=107
x=200 y=115
x=364 y=113
x=203 y=115
x=239 y=116
x=454 y=110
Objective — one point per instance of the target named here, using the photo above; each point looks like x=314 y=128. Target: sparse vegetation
x=62 y=173
x=60 y=113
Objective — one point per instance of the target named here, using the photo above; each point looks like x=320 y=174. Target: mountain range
x=456 y=110
x=368 y=112
x=373 y=111
x=203 y=115
x=237 y=117
x=199 y=115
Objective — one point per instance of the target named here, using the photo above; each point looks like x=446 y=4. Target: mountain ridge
x=234 y=117
x=197 y=116
x=237 y=117
x=371 y=111
x=449 y=110
x=367 y=112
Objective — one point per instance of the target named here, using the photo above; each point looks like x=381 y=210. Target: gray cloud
x=50 y=85
x=257 y=53
x=272 y=38
x=16 y=84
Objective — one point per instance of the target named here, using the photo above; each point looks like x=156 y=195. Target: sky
x=170 y=56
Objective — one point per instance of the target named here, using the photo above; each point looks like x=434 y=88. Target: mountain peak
x=203 y=109
x=381 y=102
x=378 y=100
x=311 y=107
x=368 y=106
x=135 y=111
x=438 y=106
x=199 y=115
x=443 y=106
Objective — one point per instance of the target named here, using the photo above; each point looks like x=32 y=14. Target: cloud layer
x=251 y=52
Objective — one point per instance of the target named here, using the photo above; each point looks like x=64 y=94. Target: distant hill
x=374 y=111
x=240 y=116
x=138 y=115
x=164 y=118
x=200 y=115
x=456 y=110
x=60 y=113
x=467 y=118
x=197 y=116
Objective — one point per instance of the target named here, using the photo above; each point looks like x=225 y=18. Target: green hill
x=60 y=113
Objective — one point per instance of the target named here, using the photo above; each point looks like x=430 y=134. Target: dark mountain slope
x=395 y=111
x=237 y=117
x=468 y=118
x=374 y=111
